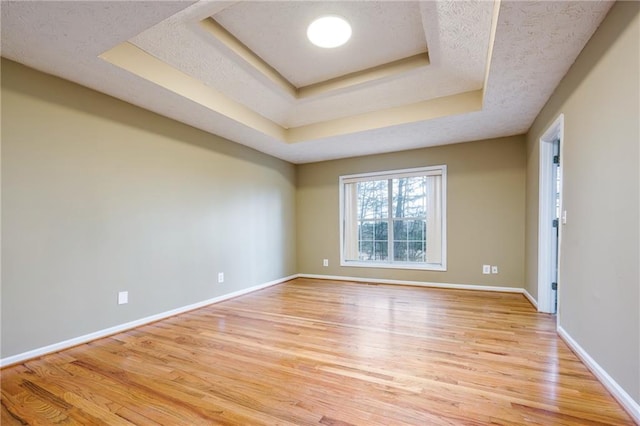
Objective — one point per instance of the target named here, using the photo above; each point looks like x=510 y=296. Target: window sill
x=385 y=265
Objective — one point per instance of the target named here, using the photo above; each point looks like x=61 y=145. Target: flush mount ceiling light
x=329 y=31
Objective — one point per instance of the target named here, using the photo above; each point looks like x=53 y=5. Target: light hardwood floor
x=312 y=352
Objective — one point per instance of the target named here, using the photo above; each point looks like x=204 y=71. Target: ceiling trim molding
x=492 y=39
x=421 y=111
x=379 y=72
x=262 y=67
x=135 y=60
x=213 y=28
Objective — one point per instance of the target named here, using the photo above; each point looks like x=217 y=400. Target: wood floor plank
x=312 y=352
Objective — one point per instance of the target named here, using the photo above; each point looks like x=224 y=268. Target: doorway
x=550 y=216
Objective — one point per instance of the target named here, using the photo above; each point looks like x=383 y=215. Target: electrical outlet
x=123 y=297
x=494 y=269
x=220 y=277
x=486 y=269
x=325 y=262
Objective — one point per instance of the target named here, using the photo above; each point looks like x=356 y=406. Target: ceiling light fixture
x=329 y=31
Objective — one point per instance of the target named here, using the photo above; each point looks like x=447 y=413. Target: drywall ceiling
x=414 y=74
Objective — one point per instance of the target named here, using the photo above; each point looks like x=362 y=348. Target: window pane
x=409 y=240
x=399 y=230
x=400 y=251
x=365 y=250
x=373 y=234
x=416 y=251
x=409 y=197
x=416 y=230
x=381 y=250
x=382 y=231
x=373 y=199
x=366 y=231
x=373 y=230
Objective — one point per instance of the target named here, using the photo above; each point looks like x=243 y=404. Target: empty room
x=320 y=212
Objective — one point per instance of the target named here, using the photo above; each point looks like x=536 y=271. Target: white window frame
x=439 y=170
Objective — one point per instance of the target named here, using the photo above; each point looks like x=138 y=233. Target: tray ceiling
x=414 y=74
x=384 y=32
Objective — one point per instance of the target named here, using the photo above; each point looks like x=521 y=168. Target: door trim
x=546 y=208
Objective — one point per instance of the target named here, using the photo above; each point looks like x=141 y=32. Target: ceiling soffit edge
x=460 y=103
x=247 y=56
x=135 y=60
x=492 y=38
x=370 y=75
x=260 y=67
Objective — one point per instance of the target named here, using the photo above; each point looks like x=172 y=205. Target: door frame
x=546 y=207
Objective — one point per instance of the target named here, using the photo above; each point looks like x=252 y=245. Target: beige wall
x=100 y=196
x=485 y=212
x=599 y=286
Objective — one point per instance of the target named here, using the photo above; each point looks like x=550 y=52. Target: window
x=394 y=219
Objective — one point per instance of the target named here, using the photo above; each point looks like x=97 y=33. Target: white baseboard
x=627 y=402
x=530 y=298
x=416 y=283
x=56 y=347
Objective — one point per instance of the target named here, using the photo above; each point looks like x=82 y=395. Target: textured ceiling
x=490 y=67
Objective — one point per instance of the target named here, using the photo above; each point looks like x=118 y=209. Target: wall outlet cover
x=486 y=269
x=123 y=297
